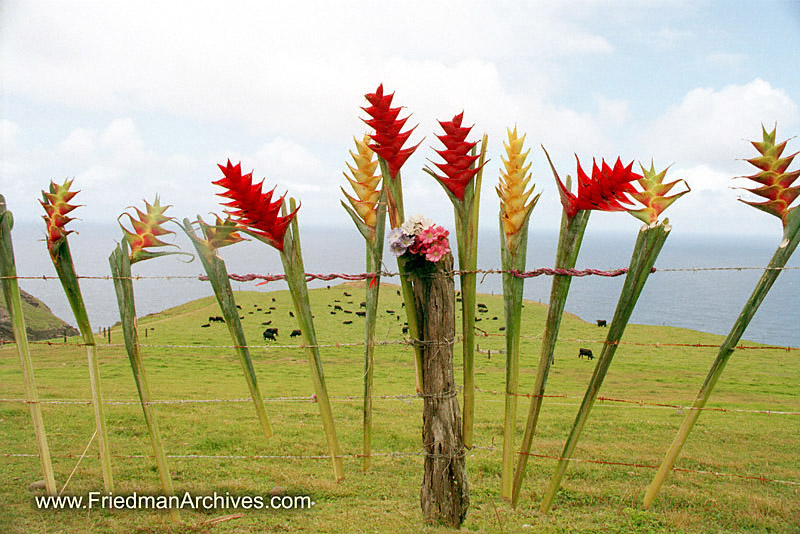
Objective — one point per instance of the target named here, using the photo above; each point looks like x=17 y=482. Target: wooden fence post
x=445 y=493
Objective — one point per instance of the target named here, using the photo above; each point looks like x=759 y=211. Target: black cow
x=405 y=330
x=346 y=294
x=205 y=325
x=601 y=322
x=361 y=314
x=216 y=319
x=266 y=323
x=347 y=322
x=585 y=352
x=270 y=333
x=362 y=304
x=390 y=311
x=338 y=308
x=291 y=314
x=296 y=332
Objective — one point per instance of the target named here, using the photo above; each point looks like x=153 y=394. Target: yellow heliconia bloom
x=514 y=206
x=364 y=182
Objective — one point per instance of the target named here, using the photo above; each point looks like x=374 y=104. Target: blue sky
x=137 y=98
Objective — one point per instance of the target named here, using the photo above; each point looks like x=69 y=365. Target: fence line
x=348 y=398
x=404 y=341
x=402 y=454
x=326 y=277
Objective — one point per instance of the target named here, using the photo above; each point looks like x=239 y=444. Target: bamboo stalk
x=8 y=272
x=569 y=243
x=123 y=286
x=648 y=245
x=292 y=259
x=62 y=260
x=218 y=276
x=791 y=238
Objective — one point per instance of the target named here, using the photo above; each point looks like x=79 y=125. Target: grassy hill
x=217 y=446
x=40 y=322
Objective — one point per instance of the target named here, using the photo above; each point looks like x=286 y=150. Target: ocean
x=704 y=300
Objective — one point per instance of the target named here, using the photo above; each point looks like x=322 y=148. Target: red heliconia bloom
x=388 y=140
x=56 y=205
x=458 y=167
x=606 y=190
x=253 y=209
x=147 y=226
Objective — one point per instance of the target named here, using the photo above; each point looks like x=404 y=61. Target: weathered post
x=445 y=493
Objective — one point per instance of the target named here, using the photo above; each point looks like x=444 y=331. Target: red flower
x=458 y=166
x=254 y=209
x=387 y=141
x=56 y=205
x=606 y=190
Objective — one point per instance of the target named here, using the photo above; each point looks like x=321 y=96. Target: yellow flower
x=515 y=209
x=364 y=183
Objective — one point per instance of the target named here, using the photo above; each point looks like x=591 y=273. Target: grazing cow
x=478 y=319
x=362 y=304
x=346 y=294
x=238 y=307
x=259 y=309
x=296 y=332
x=483 y=310
x=338 y=308
x=273 y=308
x=502 y=328
x=405 y=330
x=390 y=311
x=361 y=314
x=216 y=319
x=482 y=305
x=347 y=311
x=398 y=292
x=291 y=314
x=270 y=333
x=336 y=300
x=205 y=325
x=585 y=352
x=494 y=318
x=333 y=313
x=273 y=299
x=266 y=323
x=601 y=322
x=347 y=322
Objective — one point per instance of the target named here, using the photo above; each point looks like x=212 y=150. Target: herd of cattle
x=271 y=332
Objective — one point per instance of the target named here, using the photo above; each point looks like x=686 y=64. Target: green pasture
x=186 y=361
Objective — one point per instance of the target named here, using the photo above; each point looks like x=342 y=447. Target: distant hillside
x=40 y=322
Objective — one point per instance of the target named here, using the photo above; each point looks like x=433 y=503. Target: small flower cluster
x=420 y=236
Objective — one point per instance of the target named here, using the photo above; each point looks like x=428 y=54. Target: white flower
x=399 y=241
x=415 y=224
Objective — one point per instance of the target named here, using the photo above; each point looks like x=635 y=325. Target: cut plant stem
x=512 y=300
x=8 y=277
x=648 y=245
x=292 y=259
x=62 y=261
x=791 y=237
x=123 y=286
x=569 y=244
x=395 y=211
x=218 y=276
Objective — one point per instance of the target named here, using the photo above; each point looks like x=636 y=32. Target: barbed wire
x=327 y=277
x=403 y=454
x=404 y=397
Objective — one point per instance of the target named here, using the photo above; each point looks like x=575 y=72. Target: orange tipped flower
x=459 y=166
x=387 y=141
x=654 y=194
x=146 y=230
x=56 y=205
x=222 y=233
x=514 y=206
x=776 y=183
x=606 y=190
x=253 y=209
x=365 y=183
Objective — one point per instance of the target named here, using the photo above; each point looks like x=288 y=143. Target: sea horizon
x=681 y=293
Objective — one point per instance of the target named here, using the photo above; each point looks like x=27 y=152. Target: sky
x=134 y=99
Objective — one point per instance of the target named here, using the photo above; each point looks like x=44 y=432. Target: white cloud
x=709 y=126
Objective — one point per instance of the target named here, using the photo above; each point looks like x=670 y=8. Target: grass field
x=594 y=497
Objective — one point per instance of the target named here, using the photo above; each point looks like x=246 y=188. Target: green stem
x=467 y=218
x=374 y=249
x=569 y=244
x=648 y=245
x=292 y=259
x=513 y=287
x=62 y=261
x=123 y=286
x=395 y=210
x=218 y=276
x=8 y=272
x=791 y=238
